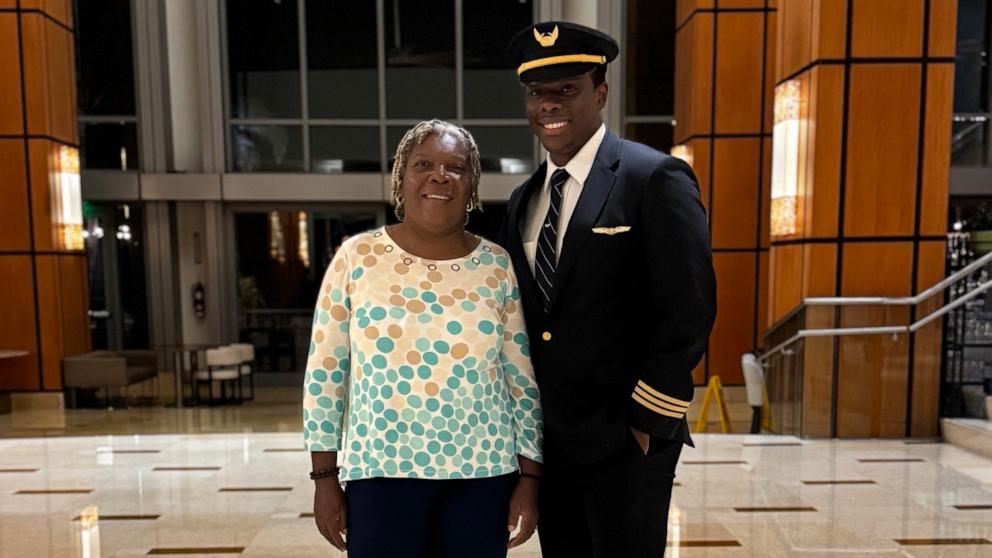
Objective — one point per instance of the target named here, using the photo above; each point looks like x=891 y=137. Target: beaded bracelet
x=324 y=473
x=530 y=476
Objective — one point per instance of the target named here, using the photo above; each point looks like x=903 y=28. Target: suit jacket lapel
x=595 y=191
x=517 y=212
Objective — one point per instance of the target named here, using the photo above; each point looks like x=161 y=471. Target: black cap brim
x=556 y=72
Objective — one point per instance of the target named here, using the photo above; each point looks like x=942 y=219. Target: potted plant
x=979 y=227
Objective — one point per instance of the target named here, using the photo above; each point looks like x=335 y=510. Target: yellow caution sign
x=766 y=411
x=714 y=392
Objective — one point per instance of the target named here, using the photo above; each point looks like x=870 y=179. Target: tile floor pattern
x=247 y=494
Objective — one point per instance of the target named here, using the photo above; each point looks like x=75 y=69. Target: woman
x=419 y=339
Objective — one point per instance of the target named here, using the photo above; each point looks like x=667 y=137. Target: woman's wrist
x=325 y=473
x=531 y=476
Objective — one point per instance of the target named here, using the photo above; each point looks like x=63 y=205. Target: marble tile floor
x=246 y=493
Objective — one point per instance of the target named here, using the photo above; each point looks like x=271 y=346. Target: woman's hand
x=330 y=511
x=523 y=511
x=643 y=439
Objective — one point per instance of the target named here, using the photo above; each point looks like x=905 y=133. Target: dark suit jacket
x=631 y=311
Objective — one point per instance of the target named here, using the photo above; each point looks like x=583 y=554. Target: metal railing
x=889 y=301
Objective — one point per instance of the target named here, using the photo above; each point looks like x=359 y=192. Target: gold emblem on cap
x=546 y=39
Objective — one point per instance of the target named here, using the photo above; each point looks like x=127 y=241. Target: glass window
x=393 y=136
x=109 y=146
x=105 y=80
x=115 y=256
x=658 y=136
x=492 y=89
x=267 y=148
x=278 y=284
x=264 y=58
x=420 y=58
x=970 y=66
x=505 y=149
x=650 y=57
x=502 y=149
x=342 y=121
x=968 y=141
x=344 y=149
x=341 y=59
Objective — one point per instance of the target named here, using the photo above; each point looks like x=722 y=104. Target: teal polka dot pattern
x=420 y=368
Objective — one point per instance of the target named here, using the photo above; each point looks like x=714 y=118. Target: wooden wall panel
x=701 y=166
x=11 y=116
x=819 y=270
x=818 y=366
x=724 y=4
x=699 y=107
x=49 y=78
x=764 y=235
x=785 y=280
x=733 y=331
x=61 y=67
x=75 y=304
x=827 y=111
x=872 y=381
x=735 y=182
x=50 y=315
x=56 y=9
x=937 y=149
x=829 y=29
x=685 y=8
x=925 y=399
x=881 y=150
x=14 y=230
x=771 y=39
x=761 y=311
x=794 y=36
x=60 y=10
x=42 y=202
x=17 y=328
x=943 y=27
x=738 y=72
x=877 y=269
x=880 y=29
x=683 y=89
x=35 y=74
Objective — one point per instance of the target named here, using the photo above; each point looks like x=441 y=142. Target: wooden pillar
x=725 y=51
x=875 y=82
x=43 y=291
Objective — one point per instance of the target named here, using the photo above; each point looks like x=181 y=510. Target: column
x=866 y=91
x=43 y=292
x=725 y=51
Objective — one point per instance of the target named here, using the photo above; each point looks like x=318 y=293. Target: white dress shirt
x=537 y=207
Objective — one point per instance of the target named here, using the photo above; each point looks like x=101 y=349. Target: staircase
x=972 y=434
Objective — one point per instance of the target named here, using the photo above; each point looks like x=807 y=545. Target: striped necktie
x=546 y=262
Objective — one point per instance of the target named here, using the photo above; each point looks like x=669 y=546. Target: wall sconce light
x=785 y=159
x=303 y=238
x=67 y=199
x=277 y=242
x=682 y=151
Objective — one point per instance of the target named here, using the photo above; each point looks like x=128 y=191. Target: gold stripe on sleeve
x=662 y=396
x=652 y=407
x=674 y=408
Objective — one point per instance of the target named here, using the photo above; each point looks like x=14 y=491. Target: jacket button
x=546 y=336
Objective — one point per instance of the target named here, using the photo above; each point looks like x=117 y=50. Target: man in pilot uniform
x=611 y=247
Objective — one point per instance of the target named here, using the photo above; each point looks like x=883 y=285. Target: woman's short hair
x=416 y=136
